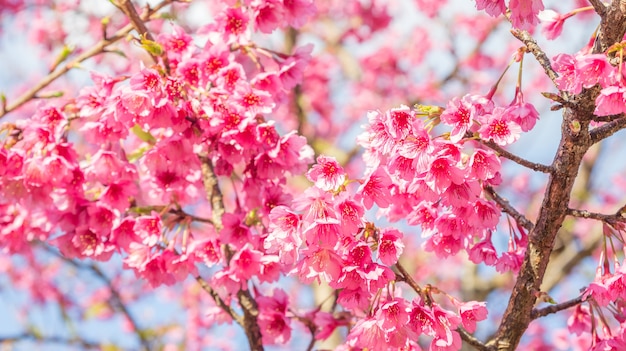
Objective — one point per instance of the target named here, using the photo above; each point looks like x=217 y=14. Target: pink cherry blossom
x=327 y=173
x=499 y=127
x=524 y=13
x=552 y=23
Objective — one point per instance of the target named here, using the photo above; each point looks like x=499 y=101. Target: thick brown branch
x=598 y=6
x=575 y=141
x=538 y=313
x=602 y=132
x=213 y=192
x=519 y=160
x=97 y=49
x=246 y=301
x=506 y=207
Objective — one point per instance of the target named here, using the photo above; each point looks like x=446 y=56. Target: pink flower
x=580 y=321
x=390 y=246
x=269 y=15
x=233 y=22
x=460 y=114
x=611 y=101
x=498 y=127
x=274 y=324
x=471 y=312
x=327 y=173
x=522 y=113
x=297 y=12
x=494 y=8
x=351 y=216
x=443 y=172
x=593 y=69
x=564 y=64
x=483 y=252
x=322 y=233
x=399 y=121
x=148 y=228
x=524 y=13
x=246 y=263
x=483 y=164
x=367 y=334
x=292 y=69
x=552 y=23
x=375 y=189
x=319 y=263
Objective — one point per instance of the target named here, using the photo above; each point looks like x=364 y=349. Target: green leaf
x=143 y=135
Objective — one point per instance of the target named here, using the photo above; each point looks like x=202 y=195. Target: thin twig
x=98 y=48
x=406 y=277
x=218 y=300
x=538 y=313
x=116 y=298
x=128 y=8
x=84 y=344
x=519 y=160
x=534 y=49
x=509 y=209
x=471 y=339
x=612 y=218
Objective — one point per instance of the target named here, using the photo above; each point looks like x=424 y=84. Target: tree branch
x=605 y=131
x=84 y=344
x=509 y=209
x=116 y=301
x=246 y=301
x=539 y=54
x=128 y=8
x=97 y=49
x=519 y=160
x=471 y=339
x=218 y=300
x=542 y=312
x=598 y=6
x=612 y=218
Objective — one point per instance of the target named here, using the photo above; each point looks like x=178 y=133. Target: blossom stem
x=406 y=277
x=534 y=49
x=519 y=160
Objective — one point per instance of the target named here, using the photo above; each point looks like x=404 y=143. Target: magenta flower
x=552 y=23
x=522 y=113
x=611 y=101
x=390 y=246
x=524 y=13
x=327 y=173
x=375 y=189
x=499 y=128
x=493 y=7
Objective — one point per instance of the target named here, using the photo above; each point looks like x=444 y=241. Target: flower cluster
x=587 y=70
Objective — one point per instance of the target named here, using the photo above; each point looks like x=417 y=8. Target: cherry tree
x=299 y=174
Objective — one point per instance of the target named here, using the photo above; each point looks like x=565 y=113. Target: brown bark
x=576 y=139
